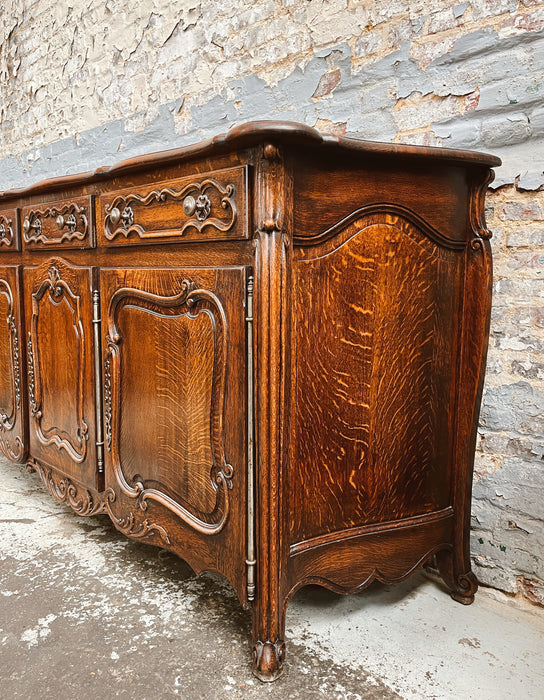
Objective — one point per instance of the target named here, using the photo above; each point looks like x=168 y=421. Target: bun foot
x=268 y=660
x=464 y=588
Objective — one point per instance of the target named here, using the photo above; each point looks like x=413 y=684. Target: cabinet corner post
x=272 y=396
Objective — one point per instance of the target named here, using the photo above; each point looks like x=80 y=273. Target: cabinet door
x=58 y=313
x=13 y=439
x=175 y=417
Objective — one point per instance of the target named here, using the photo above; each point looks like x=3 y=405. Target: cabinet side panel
x=327 y=190
x=375 y=358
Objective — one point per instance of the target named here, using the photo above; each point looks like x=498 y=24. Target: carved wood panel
x=9 y=233
x=208 y=206
x=13 y=438
x=63 y=224
x=58 y=313
x=173 y=363
x=374 y=398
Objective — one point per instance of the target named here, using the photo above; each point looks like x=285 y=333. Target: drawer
x=61 y=224
x=9 y=232
x=208 y=206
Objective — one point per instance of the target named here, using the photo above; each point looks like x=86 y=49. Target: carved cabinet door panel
x=60 y=362
x=13 y=438
x=174 y=410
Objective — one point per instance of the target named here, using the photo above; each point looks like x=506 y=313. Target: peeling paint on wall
x=83 y=85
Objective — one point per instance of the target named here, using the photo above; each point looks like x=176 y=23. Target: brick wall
x=508 y=505
x=85 y=84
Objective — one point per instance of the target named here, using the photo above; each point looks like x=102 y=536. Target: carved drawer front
x=174 y=403
x=9 y=233
x=209 y=206
x=13 y=438
x=60 y=362
x=61 y=224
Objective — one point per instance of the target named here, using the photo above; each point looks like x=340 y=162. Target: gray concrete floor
x=85 y=612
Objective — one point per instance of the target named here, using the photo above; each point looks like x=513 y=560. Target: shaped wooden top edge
x=251 y=134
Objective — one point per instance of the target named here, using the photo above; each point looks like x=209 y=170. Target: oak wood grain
x=58 y=325
x=174 y=355
x=210 y=206
x=373 y=403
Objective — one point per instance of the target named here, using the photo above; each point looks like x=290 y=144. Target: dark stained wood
x=9 y=230
x=337 y=446
x=60 y=224
x=174 y=358
x=454 y=564
x=59 y=345
x=212 y=206
x=13 y=407
x=273 y=252
x=388 y=553
x=373 y=408
x=327 y=195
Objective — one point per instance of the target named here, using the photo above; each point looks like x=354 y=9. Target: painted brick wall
x=85 y=83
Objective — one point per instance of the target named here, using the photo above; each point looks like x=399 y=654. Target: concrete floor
x=85 y=612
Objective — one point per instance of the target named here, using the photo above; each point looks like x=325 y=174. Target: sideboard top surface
x=251 y=134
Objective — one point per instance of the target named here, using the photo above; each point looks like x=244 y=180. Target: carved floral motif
x=130 y=525
x=55 y=285
x=65 y=491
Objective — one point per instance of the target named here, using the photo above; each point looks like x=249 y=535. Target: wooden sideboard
x=264 y=352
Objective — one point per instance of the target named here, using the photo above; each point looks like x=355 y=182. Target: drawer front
x=208 y=206
x=9 y=233
x=61 y=224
